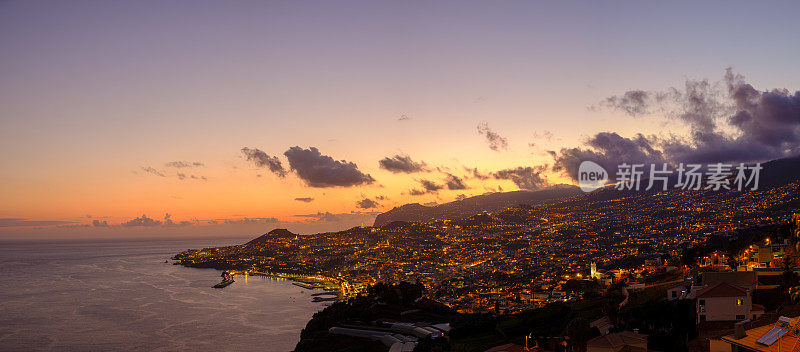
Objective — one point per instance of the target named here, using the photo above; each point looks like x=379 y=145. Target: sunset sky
x=115 y=110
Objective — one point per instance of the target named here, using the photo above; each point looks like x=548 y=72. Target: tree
x=794 y=293
x=579 y=333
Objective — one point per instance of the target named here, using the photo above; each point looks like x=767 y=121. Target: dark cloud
x=428 y=186
x=527 y=178
x=729 y=121
x=145 y=221
x=319 y=170
x=153 y=171
x=401 y=164
x=98 y=223
x=496 y=142
x=634 y=102
x=699 y=104
x=20 y=222
x=168 y=221
x=261 y=159
x=182 y=176
x=609 y=150
x=477 y=174
x=183 y=164
x=305 y=199
x=367 y=203
x=141 y=221
x=453 y=182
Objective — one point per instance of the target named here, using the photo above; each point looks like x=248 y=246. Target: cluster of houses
x=722 y=294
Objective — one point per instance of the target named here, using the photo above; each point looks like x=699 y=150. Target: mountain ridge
x=469 y=206
x=775 y=173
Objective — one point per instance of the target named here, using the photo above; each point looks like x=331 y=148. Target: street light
x=526 y=340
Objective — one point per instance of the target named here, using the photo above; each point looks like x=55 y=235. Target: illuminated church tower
x=593 y=271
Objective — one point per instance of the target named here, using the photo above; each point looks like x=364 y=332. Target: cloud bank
x=729 y=121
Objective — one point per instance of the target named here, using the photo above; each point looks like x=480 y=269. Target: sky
x=212 y=118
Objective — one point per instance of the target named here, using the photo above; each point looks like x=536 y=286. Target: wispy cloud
x=496 y=142
x=151 y=170
x=261 y=159
x=183 y=164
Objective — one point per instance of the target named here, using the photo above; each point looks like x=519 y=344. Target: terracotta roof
x=745 y=279
x=618 y=340
x=603 y=322
x=722 y=289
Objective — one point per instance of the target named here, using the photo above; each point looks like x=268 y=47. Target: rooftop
x=721 y=289
x=619 y=340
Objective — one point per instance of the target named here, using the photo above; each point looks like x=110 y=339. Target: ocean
x=119 y=295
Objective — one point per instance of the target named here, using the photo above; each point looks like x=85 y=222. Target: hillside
x=260 y=240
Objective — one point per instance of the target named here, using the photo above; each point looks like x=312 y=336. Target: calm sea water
x=121 y=296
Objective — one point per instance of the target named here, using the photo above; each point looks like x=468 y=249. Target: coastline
x=311 y=283
x=302 y=282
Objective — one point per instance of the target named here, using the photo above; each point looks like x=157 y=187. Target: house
x=678 y=291
x=602 y=324
x=759 y=256
x=619 y=341
x=540 y=296
x=654 y=262
x=743 y=279
x=726 y=302
x=716 y=259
